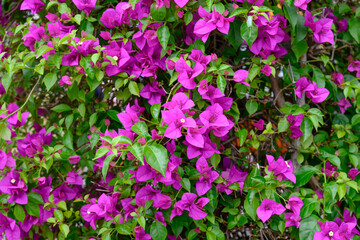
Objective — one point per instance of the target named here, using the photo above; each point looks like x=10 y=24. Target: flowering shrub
x=179 y=119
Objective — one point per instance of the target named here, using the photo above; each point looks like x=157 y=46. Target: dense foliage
x=179 y=119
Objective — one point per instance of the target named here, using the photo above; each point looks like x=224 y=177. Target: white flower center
x=182 y=120
x=88 y=212
x=287 y=164
x=331 y=234
x=116 y=58
x=13 y=181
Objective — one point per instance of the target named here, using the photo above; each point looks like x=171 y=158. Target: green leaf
x=134 y=89
x=299 y=48
x=188 y=17
x=156 y=156
x=155 y=110
x=251 y=106
x=61 y=108
x=35 y=198
x=235 y=33
x=221 y=83
x=42 y=50
x=185 y=183
x=158 y=14
x=158 y=231
x=106 y=165
x=330 y=190
x=308 y=207
x=19 y=213
x=354 y=28
x=140 y=128
x=355 y=119
x=239 y=11
x=304 y=174
x=124 y=228
x=308 y=228
x=49 y=80
x=306 y=127
x=64 y=229
x=101 y=152
x=59 y=215
x=5 y=133
x=249 y=33
x=6 y=81
x=242 y=136
x=341 y=190
x=250 y=206
x=283 y=125
x=82 y=109
x=68 y=140
x=138 y=151
x=163 y=34
x=32 y=209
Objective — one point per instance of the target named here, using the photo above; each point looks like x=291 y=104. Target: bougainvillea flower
x=74 y=159
x=210 y=22
x=87 y=47
x=321 y=28
x=209 y=92
x=9 y=227
x=302 y=4
x=328 y=230
x=187 y=203
x=28 y=222
x=292 y=219
x=44 y=187
x=105 y=35
x=120 y=53
x=181 y=3
x=198 y=57
x=74 y=178
x=350 y=228
x=318 y=95
x=295 y=204
x=59 y=30
x=85 y=5
x=89 y=216
x=207 y=176
x=213 y=116
x=230 y=176
x=281 y=168
x=303 y=85
x=240 y=76
x=260 y=124
x=13 y=119
x=270 y=34
x=2 y=89
x=33 y=143
x=34 y=6
x=268 y=208
x=295 y=123
x=140 y=233
x=64 y=193
x=65 y=80
x=176 y=120
x=111 y=18
x=35 y=34
x=71 y=59
x=180 y=100
x=355 y=66
x=128 y=119
x=322 y=31
x=195 y=137
x=337 y=78
x=51 y=17
x=147 y=193
x=16 y=187
x=343 y=105
x=353 y=173
x=266 y=70
x=187 y=74
x=329 y=169
x=207 y=151
x=6 y=160
x=160 y=217
x=152 y=92
x=105 y=207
